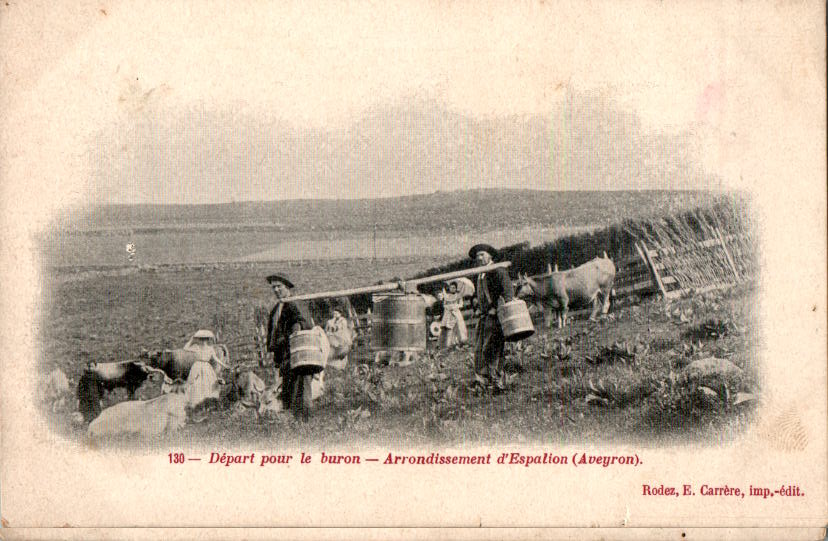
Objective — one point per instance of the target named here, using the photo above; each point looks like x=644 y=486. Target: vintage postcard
x=413 y=270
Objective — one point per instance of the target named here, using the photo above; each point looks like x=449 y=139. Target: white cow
x=143 y=418
x=579 y=286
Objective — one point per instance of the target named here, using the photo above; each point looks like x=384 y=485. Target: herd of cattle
x=588 y=284
x=168 y=370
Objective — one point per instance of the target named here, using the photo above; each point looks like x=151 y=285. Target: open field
x=72 y=252
x=426 y=225
x=628 y=365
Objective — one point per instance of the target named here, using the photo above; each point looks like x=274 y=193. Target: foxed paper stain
x=711 y=102
x=784 y=430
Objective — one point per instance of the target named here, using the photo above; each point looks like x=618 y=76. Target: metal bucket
x=398 y=323
x=306 y=352
x=515 y=320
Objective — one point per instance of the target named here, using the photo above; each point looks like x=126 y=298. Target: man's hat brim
x=488 y=248
x=279 y=278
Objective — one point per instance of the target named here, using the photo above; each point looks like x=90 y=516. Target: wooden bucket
x=398 y=323
x=306 y=352
x=515 y=320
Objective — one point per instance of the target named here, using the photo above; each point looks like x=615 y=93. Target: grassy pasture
x=112 y=317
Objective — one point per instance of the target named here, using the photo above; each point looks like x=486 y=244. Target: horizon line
x=380 y=198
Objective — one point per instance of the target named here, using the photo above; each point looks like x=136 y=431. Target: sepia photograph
x=532 y=279
x=415 y=266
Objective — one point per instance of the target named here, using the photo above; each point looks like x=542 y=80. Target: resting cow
x=574 y=287
x=100 y=377
x=141 y=417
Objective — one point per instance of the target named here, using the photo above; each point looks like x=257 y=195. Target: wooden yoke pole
x=343 y=292
x=457 y=274
x=402 y=285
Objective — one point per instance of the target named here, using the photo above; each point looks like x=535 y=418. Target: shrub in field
x=709 y=330
x=620 y=389
x=701 y=391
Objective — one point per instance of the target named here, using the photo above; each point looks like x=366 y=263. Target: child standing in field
x=453 y=325
x=340 y=335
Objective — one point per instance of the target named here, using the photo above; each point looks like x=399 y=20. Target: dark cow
x=176 y=363
x=100 y=377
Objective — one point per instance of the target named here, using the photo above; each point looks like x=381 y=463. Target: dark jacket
x=498 y=284
x=293 y=313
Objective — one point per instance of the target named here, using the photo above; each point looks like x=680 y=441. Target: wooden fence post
x=727 y=254
x=645 y=255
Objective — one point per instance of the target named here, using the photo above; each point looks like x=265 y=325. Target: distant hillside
x=458 y=211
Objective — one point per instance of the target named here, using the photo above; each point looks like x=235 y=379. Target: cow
x=162 y=414
x=176 y=363
x=100 y=377
x=574 y=287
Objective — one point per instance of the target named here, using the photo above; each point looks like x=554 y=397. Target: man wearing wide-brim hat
x=490 y=350
x=285 y=319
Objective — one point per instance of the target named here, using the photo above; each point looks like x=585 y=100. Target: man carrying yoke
x=490 y=350
x=285 y=319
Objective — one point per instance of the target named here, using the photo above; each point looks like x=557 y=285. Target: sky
x=585 y=143
x=180 y=105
